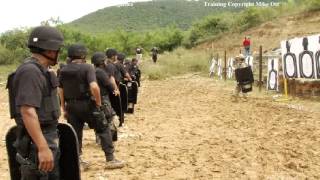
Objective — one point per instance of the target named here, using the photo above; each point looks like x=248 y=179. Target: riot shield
x=14 y=166
x=69 y=147
x=132 y=95
x=245 y=78
x=124 y=96
x=69 y=159
x=116 y=105
x=138 y=76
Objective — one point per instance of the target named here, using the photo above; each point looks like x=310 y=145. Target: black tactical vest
x=74 y=86
x=49 y=111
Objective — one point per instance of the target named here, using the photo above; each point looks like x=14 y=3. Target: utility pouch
x=99 y=120
x=28 y=167
x=23 y=141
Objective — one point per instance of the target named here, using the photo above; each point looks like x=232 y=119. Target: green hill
x=152 y=14
x=145 y=16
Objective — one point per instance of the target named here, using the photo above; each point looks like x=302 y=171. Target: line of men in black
x=79 y=81
x=84 y=97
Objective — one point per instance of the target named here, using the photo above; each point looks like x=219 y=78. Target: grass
x=178 y=62
x=5 y=70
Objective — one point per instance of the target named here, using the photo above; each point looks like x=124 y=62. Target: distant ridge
x=145 y=16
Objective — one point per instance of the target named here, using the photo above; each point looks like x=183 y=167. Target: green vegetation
x=213 y=26
x=179 y=62
x=150 y=15
x=13 y=48
x=144 y=16
x=185 y=61
x=312 y=5
x=4 y=71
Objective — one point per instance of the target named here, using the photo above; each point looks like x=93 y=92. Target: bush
x=5 y=55
x=313 y=5
x=208 y=27
x=13 y=39
x=16 y=56
x=13 y=46
x=180 y=61
x=249 y=18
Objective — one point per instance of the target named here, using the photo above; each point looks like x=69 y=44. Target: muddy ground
x=188 y=127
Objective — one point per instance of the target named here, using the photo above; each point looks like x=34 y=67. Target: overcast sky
x=27 y=13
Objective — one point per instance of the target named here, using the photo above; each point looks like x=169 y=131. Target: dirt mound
x=269 y=34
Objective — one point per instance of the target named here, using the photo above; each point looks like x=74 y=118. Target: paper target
x=219 y=73
x=273 y=75
x=317 y=59
x=299 y=57
x=230 y=68
x=212 y=67
x=249 y=61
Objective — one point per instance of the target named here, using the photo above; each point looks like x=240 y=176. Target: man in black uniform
x=121 y=72
x=154 y=52
x=134 y=70
x=121 y=75
x=81 y=101
x=37 y=106
x=127 y=63
x=112 y=71
x=106 y=89
x=139 y=54
x=61 y=65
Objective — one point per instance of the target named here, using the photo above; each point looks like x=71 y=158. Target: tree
x=52 y=21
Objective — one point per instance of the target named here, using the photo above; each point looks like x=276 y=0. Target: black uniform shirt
x=120 y=73
x=110 y=69
x=29 y=85
x=104 y=80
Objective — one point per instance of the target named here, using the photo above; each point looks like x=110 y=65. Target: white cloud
x=26 y=13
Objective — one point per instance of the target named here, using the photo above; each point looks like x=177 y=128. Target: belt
x=48 y=127
x=105 y=96
x=77 y=100
x=45 y=128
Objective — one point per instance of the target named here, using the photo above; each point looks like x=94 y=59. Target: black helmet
x=127 y=61
x=121 y=56
x=98 y=58
x=134 y=60
x=45 y=37
x=77 y=51
x=111 y=52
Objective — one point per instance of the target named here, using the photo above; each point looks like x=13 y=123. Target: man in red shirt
x=246 y=44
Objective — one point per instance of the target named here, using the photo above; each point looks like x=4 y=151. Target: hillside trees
x=209 y=26
x=313 y=5
x=13 y=44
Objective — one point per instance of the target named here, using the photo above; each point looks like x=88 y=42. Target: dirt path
x=188 y=128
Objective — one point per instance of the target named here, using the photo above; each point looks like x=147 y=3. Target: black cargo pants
x=79 y=112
